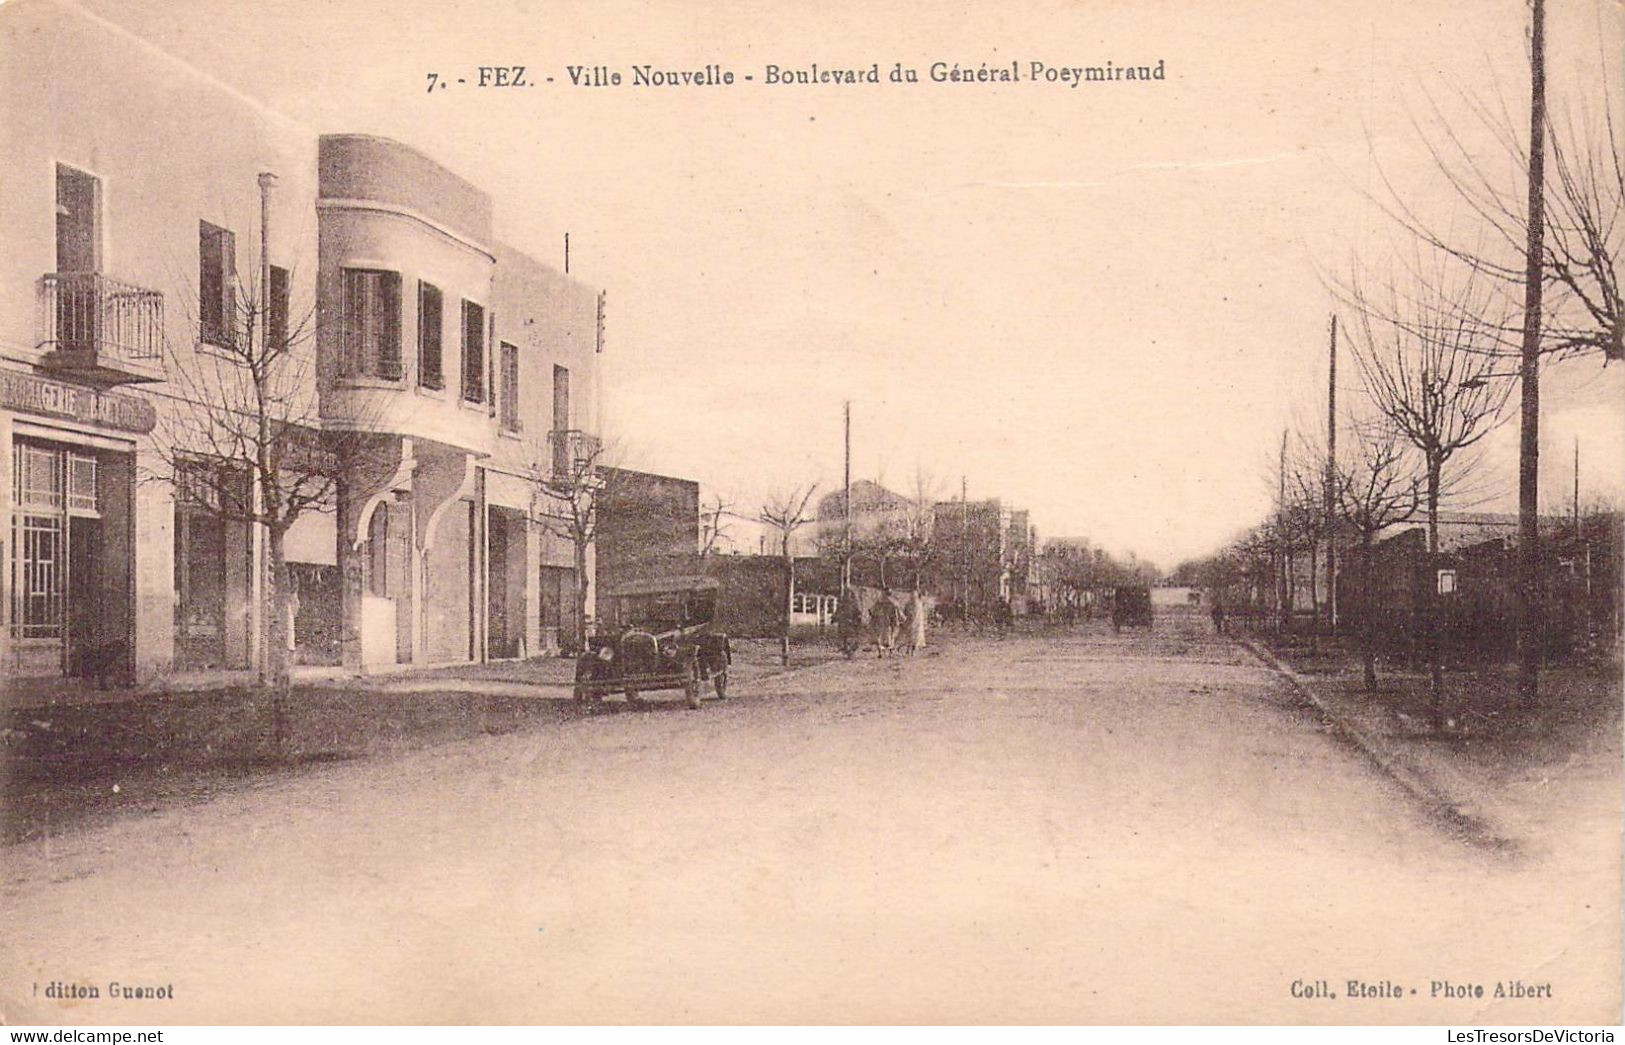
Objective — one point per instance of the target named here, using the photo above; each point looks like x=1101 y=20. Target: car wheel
x=632 y=697
x=719 y=682
x=691 y=687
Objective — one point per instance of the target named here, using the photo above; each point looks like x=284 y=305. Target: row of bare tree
x=1517 y=271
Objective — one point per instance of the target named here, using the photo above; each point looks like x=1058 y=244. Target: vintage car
x=655 y=635
x=1131 y=606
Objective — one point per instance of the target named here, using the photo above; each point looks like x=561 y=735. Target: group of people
x=885 y=625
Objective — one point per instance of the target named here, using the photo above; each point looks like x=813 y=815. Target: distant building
x=970 y=568
x=877 y=515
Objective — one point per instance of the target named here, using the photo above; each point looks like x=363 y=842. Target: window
x=510 y=389
x=372 y=324
x=217 y=288
x=431 y=324
x=276 y=306
x=82 y=483
x=37 y=477
x=473 y=352
x=50 y=483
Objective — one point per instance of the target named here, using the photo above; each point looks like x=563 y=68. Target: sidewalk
x=1505 y=777
x=73 y=754
x=542 y=678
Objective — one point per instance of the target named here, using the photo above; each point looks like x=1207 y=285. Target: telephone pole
x=846 y=507
x=1529 y=594
x=1331 y=486
x=1577 y=489
x=1280 y=539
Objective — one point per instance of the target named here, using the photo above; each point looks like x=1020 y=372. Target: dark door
x=498 y=644
x=85 y=593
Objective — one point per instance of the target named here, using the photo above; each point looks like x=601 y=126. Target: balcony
x=100 y=331
x=575 y=453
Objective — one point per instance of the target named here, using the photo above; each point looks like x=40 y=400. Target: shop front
x=69 y=537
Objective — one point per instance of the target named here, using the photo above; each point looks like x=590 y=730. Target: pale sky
x=1102 y=304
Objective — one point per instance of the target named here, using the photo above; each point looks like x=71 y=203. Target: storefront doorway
x=213 y=569
x=505 y=583
x=70 y=563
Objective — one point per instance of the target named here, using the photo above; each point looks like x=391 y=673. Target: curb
x=1404 y=771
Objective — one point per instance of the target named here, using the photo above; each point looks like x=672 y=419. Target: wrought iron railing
x=88 y=313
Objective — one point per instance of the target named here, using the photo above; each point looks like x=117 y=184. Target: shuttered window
x=372 y=324
x=217 y=288
x=473 y=352
x=510 y=388
x=431 y=328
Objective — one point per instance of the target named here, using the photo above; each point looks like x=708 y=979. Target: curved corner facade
x=134 y=272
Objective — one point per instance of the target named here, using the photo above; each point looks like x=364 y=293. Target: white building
x=132 y=199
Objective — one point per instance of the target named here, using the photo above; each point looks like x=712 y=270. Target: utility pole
x=846 y=505
x=1576 y=490
x=566 y=253
x=1331 y=485
x=265 y=623
x=1280 y=539
x=1529 y=600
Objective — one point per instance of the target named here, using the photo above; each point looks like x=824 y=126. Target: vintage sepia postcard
x=558 y=512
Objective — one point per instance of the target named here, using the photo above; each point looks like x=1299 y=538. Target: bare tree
x=1304 y=525
x=713 y=530
x=1425 y=361
x=1377 y=488
x=785 y=512
x=565 y=497
x=1562 y=233
x=914 y=540
x=1582 y=221
x=243 y=440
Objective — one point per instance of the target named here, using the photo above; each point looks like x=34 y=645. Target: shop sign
x=36 y=395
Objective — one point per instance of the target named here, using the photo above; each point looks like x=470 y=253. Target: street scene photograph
x=644 y=512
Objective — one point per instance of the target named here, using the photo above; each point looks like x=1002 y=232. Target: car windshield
x=665 y=610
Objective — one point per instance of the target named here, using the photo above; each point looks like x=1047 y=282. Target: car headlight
x=669 y=651
x=606 y=653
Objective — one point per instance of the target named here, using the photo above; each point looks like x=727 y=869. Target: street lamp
x=1482 y=380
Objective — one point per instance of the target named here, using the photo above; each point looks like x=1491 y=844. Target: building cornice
x=399 y=211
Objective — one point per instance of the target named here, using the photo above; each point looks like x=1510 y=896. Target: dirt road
x=1060 y=828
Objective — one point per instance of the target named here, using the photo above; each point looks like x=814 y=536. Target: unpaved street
x=1063 y=827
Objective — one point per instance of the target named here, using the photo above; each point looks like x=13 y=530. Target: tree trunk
x=276 y=631
x=1369 y=611
x=789 y=604
x=578 y=627
x=1430 y=600
x=1314 y=597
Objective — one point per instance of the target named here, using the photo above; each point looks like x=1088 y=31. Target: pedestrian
x=884 y=617
x=1218 y=617
x=913 y=624
x=848 y=622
